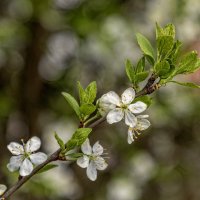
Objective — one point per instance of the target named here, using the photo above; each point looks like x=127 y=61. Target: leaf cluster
x=77 y=139
x=87 y=97
x=136 y=74
x=165 y=59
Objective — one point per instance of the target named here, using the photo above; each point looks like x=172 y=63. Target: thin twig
x=148 y=89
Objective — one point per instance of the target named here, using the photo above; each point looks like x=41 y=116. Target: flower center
x=124 y=107
x=92 y=157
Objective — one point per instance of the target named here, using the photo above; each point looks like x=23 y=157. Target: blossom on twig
x=92 y=159
x=142 y=124
x=25 y=157
x=118 y=108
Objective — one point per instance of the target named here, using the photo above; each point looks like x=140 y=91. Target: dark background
x=47 y=46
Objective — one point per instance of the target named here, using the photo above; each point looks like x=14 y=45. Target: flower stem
x=97 y=116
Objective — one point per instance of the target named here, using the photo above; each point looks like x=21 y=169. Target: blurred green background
x=46 y=46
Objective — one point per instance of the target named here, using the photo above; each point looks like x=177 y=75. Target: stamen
x=22 y=140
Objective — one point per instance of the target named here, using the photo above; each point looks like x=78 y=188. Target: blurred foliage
x=47 y=46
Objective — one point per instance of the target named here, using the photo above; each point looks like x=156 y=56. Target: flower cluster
x=25 y=157
x=117 y=108
x=92 y=159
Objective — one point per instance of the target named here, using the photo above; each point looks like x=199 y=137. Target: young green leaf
x=145 y=45
x=165 y=40
x=91 y=92
x=88 y=95
x=72 y=102
x=130 y=71
x=162 y=68
x=87 y=109
x=82 y=93
x=175 y=52
x=191 y=85
x=139 y=77
x=188 y=64
x=164 y=46
x=59 y=141
x=170 y=74
x=47 y=168
x=140 y=65
x=150 y=59
x=78 y=138
x=168 y=30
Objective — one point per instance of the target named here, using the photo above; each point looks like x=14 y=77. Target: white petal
x=15 y=163
x=83 y=161
x=91 y=171
x=113 y=98
x=142 y=116
x=142 y=124
x=130 y=136
x=26 y=168
x=115 y=115
x=33 y=144
x=105 y=108
x=3 y=188
x=130 y=119
x=128 y=96
x=38 y=158
x=100 y=163
x=105 y=100
x=137 y=107
x=86 y=148
x=97 y=149
x=110 y=98
x=15 y=148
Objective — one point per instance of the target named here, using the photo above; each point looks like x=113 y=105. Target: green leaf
x=141 y=76
x=170 y=74
x=74 y=155
x=72 y=102
x=59 y=141
x=175 y=52
x=191 y=85
x=47 y=168
x=91 y=92
x=140 y=65
x=168 y=30
x=146 y=99
x=130 y=71
x=165 y=40
x=78 y=138
x=188 y=64
x=164 y=46
x=81 y=91
x=145 y=45
x=87 y=109
x=150 y=59
x=162 y=68
x=88 y=95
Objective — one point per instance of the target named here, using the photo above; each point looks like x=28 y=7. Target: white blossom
x=142 y=124
x=25 y=157
x=118 y=108
x=92 y=159
x=3 y=188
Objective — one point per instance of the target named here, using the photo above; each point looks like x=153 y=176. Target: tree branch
x=148 y=89
x=52 y=157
